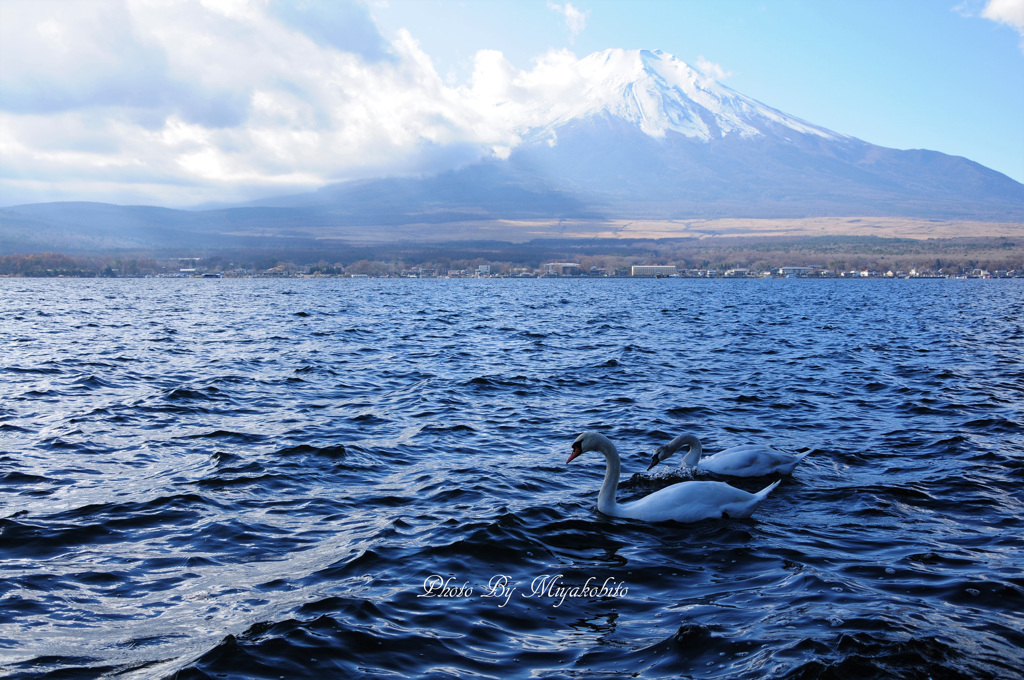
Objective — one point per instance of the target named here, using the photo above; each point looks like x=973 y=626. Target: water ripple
x=366 y=478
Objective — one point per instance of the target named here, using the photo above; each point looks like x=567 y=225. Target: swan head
x=690 y=441
x=588 y=441
x=659 y=455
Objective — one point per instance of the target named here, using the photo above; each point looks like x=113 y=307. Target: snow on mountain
x=660 y=94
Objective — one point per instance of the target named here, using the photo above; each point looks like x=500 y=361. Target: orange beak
x=577 y=449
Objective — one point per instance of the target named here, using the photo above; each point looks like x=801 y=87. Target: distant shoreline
x=735 y=256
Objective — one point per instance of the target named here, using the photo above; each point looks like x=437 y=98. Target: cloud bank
x=178 y=103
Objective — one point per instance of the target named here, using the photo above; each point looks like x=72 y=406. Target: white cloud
x=1010 y=12
x=507 y=101
x=1006 y=11
x=712 y=70
x=575 y=20
x=184 y=102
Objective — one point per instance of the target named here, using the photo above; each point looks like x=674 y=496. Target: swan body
x=683 y=502
x=747 y=460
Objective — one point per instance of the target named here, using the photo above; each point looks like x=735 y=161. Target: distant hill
x=648 y=138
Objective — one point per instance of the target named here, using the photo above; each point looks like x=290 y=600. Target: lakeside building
x=795 y=271
x=653 y=270
x=561 y=269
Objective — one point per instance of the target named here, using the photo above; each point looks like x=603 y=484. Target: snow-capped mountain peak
x=662 y=94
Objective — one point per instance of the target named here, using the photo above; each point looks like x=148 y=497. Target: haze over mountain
x=645 y=137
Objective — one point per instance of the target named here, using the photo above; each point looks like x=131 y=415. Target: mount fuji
x=646 y=136
x=638 y=135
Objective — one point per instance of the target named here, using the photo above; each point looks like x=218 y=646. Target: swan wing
x=694 y=501
x=750 y=460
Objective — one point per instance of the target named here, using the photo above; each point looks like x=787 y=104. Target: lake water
x=262 y=478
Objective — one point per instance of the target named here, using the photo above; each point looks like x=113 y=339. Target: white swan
x=747 y=460
x=683 y=502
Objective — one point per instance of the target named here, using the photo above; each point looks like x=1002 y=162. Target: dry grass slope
x=883 y=227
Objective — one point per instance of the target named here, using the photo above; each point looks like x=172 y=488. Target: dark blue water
x=256 y=479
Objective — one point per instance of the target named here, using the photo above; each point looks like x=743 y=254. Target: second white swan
x=683 y=502
x=747 y=460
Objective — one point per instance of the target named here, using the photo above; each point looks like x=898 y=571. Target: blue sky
x=179 y=103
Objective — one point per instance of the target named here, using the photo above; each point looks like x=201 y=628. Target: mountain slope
x=606 y=161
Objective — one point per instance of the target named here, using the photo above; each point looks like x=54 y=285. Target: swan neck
x=694 y=450
x=606 y=502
